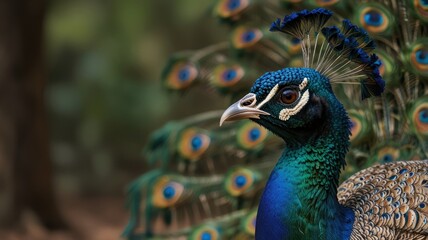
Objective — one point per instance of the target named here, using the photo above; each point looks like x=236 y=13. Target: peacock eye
x=289 y=95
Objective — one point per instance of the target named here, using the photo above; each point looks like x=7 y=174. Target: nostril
x=247 y=102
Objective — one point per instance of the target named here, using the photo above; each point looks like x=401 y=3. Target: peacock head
x=298 y=103
x=291 y=102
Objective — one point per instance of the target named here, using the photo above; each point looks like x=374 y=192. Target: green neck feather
x=304 y=182
x=318 y=162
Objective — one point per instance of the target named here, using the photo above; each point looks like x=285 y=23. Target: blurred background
x=80 y=93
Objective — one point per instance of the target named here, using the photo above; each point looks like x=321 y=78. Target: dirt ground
x=88 y=219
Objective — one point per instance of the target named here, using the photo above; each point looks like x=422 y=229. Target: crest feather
x=344 y=54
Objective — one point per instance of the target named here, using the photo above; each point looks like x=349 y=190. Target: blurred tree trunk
x=25 y=166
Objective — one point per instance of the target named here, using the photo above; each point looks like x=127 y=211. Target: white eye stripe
x=286 y=113
x=269 y=96
x=303 y=84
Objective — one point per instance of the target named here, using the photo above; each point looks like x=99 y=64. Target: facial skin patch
x=286 y=113
x=269 y=96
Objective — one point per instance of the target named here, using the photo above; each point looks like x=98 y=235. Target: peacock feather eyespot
x=419 y=117
x=418 y=57
x=423 y=115
x=166 y=192
x=245 y=37
x=387 y=154
x=250 y=135
x=226 y=75
x=231 y=8
x=206 y=232
x=375 y=18
x=180 y=74
x=193 y=143
x=361 y=130
x=388 y=69
x=249 y=223
x=293 y=46
x=420 y=8
x=238 y=181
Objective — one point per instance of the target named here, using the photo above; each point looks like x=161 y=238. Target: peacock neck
x=318 y=162
x=300 y=197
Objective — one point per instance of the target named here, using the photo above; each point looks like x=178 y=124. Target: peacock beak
x=242 y=109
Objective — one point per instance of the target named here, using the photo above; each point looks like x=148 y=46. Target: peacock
x=333 y=132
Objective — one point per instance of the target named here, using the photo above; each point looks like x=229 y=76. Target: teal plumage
x=301 y=190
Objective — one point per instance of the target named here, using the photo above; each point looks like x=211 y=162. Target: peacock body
x=214 y=182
